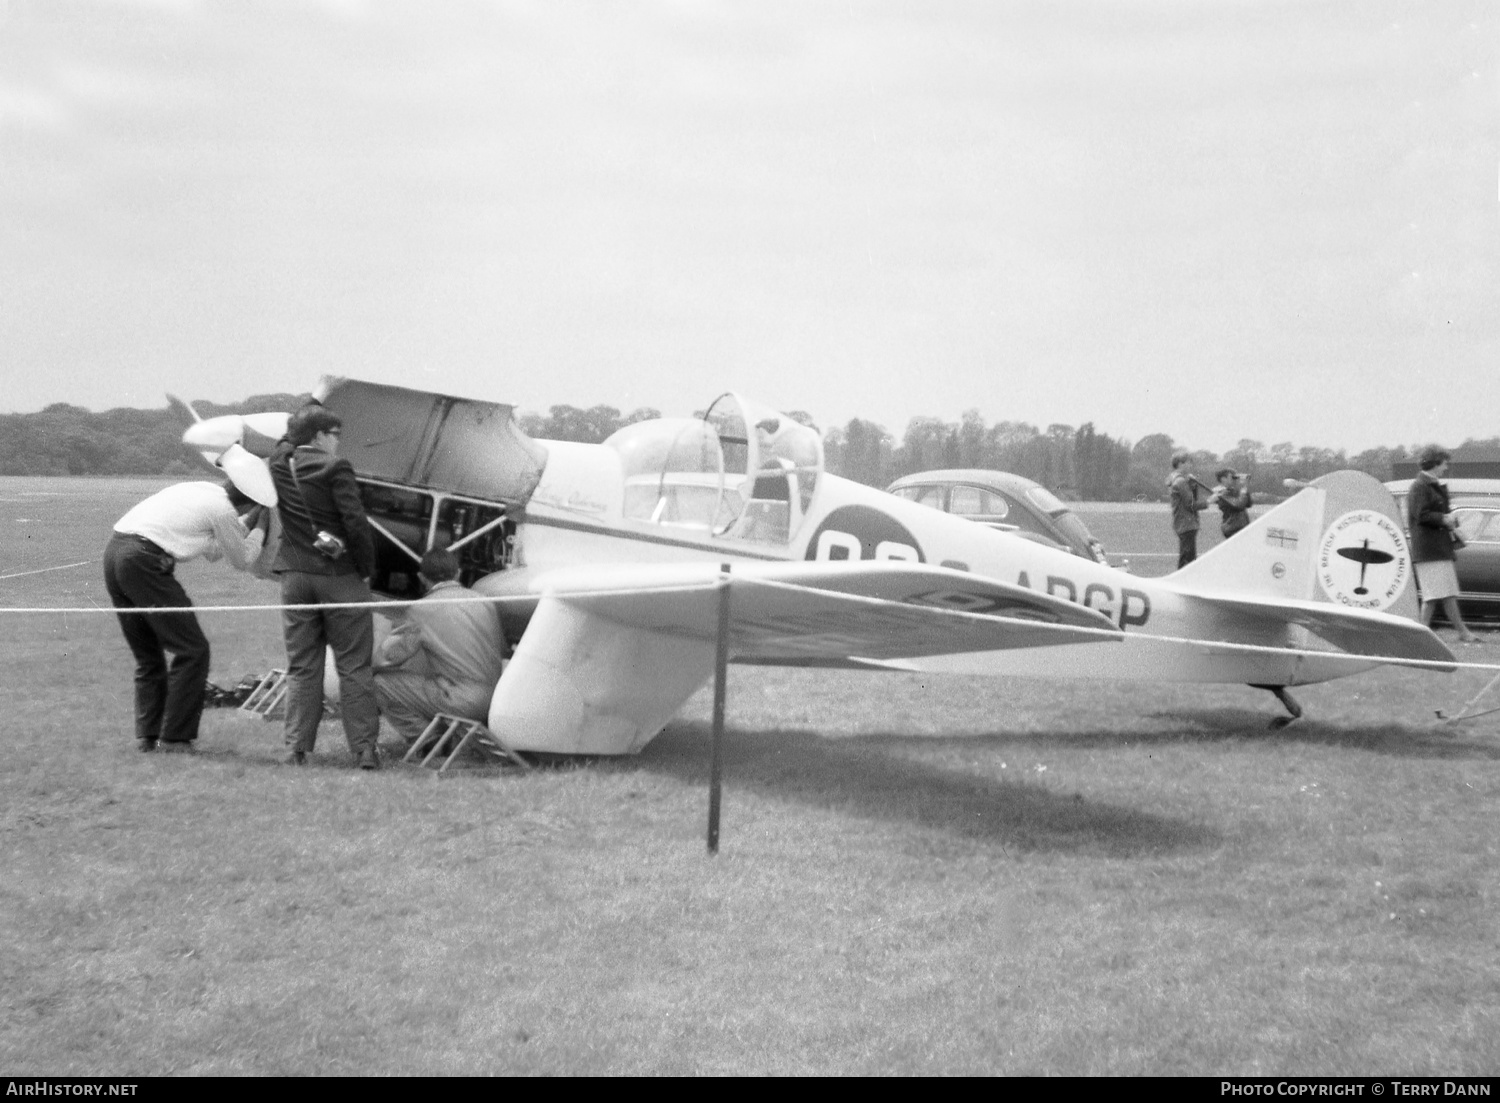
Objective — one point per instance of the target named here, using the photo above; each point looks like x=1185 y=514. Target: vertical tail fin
x=1340 y=540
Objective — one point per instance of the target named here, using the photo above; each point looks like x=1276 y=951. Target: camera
x=329 y=544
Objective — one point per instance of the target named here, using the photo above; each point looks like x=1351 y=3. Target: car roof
x=976 y=476
x=1468 y=488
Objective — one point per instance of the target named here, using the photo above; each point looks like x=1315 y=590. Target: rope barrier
x=394 y=603
x=1116 y=635
x=705 y=587
x=44 y=570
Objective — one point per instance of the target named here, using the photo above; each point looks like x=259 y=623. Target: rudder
x=1339 y=540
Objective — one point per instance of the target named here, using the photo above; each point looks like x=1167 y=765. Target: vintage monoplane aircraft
x=606 y=560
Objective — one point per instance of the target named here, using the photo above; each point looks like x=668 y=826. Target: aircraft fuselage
x=570 y=525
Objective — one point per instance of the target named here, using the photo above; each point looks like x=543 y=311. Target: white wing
x=612 y=653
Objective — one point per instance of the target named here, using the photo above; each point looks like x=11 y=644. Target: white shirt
x=190 y=520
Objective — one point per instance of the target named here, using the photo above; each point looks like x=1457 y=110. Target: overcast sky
x=1208 y=218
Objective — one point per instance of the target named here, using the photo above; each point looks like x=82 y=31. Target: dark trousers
x=1187 y=547
x=168 y=701
x=351 y=634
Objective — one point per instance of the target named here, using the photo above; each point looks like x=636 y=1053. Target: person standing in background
x=1431 y=523
x=1186 y=506
x=1233 y=499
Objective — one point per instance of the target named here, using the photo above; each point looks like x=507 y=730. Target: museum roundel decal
x=1363 y=561
x=860 y=532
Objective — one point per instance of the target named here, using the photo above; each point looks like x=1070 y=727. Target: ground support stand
x=452 y=734
x=268 y=697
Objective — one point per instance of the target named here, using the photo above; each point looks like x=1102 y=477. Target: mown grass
x=917 y=876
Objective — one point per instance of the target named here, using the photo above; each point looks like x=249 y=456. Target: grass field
x=917 y=876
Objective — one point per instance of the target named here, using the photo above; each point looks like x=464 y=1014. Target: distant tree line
x=69 y=440
x=1079 y=463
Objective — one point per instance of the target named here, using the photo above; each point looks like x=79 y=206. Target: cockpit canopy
x=741 y=472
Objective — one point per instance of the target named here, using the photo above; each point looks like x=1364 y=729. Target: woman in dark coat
x=1431 y=522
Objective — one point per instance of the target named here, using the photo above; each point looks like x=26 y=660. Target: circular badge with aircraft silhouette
x=1364 y=561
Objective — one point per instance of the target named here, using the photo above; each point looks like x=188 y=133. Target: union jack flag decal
x=1281 y=538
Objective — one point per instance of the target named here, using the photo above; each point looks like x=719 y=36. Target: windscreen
x=778 y=460
x=674 y=473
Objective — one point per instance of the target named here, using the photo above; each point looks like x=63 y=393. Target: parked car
x=1479 y=559
x=1458 y=489
x=1477 y=504
x=1002 y=501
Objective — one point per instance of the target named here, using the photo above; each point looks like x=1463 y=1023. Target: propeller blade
x=271 y=424
x=175 y=403
x=215 y=434
x=249 y=473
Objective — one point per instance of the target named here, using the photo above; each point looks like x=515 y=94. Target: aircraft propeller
x=236 y=444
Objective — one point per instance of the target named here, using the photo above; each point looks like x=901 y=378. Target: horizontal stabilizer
x=1356 y=631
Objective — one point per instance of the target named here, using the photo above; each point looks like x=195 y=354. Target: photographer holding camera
x=1232 y=497
x=326 y=557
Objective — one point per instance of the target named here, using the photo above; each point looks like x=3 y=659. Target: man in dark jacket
x=326 y=557
x=1183 y=490
x=1233 y=500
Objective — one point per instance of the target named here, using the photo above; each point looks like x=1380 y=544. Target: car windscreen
x=1072 y=526
x=1045 y=500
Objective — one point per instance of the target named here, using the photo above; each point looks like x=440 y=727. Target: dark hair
x=1219 y=474
x=308 y=422
x=237 y=497
x=1432 y=456
x=439 y=565
x=1180 y=459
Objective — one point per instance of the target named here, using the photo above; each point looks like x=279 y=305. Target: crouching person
x=442 y=656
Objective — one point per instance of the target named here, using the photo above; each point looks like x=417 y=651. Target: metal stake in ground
x=721 y=670
x=1464 y=713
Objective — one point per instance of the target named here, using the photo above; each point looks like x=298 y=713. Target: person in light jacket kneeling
x=444 y=655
